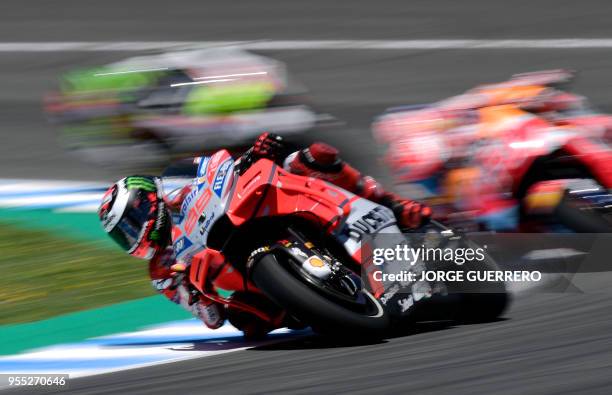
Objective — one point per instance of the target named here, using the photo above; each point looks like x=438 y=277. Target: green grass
x=42 y=275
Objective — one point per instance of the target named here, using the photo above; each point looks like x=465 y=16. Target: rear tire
x=311 y=307
x=481 y=301
x=482 y=307
x=580 y=221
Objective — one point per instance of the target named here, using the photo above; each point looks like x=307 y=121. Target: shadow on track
x=313 y=342
x=295 y=340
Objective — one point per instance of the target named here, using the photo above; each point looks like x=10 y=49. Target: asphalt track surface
x=547 y=343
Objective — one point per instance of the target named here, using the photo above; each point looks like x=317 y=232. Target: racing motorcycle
x=518 y=155
x=147 y=110
x=289 y=250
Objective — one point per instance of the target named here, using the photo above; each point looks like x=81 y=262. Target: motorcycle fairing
x=343 y=214
x=205 y=204
x=265 y=189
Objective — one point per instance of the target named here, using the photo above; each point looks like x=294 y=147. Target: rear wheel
x=586 y=213
x=482 y=301
x=586 y=205
x=300 y=299
x=477 y=300
x=482 y=307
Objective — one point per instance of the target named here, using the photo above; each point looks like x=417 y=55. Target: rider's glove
x=270 y=146
x=410 y=214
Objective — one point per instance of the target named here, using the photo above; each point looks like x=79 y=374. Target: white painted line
x=17 y=185
x=161 y=344
x=59 y=353
x=185 y=357
x=102 y=46
x=62 y=196
x=51 y=200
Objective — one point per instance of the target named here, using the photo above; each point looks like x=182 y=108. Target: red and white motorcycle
x=288 y=250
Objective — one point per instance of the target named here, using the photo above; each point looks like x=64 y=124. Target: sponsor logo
x=405 y=303
x=259 y=251
x=256 y=252
x=215 y=160
x=143 y=183
x=389 y=294
x=205 y=223
x=220 y=178
x=297 y=251
x=187 y=201
x=376 y=219
x=191 y=218
x=315 y=262
x=181 y=245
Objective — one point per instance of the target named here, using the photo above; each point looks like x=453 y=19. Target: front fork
x=313 y=262
x=314 y=265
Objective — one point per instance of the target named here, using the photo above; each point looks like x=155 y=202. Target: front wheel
x=312 y=307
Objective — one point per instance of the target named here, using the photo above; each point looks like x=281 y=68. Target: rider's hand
x=270 y=146
x=411 y=214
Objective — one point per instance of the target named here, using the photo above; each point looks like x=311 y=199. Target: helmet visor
x=127 y=231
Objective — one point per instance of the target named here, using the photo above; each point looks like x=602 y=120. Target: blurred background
x=94 y=90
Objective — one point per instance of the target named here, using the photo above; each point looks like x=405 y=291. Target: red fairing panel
x=595 y=155
x=210 y=268
x=284 y=193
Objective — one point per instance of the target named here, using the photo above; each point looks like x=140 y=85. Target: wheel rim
x=369 y=307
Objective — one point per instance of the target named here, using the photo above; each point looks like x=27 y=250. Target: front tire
x=309 y=306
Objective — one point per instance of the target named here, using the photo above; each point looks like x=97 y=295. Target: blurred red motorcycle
x=518 y=155
x=287 y=250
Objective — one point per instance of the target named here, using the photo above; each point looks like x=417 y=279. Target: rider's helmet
x=134 y=214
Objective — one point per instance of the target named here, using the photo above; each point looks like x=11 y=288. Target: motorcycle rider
x=136 y=215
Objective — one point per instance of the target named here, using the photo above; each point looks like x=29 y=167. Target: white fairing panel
x=365 y=218
x=204 y=205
